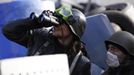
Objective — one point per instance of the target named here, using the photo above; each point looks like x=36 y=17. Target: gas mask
x=112 y=60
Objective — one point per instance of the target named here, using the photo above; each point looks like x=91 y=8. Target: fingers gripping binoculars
x=46 y=19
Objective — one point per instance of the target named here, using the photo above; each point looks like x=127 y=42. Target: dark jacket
x=36 y=38
x=127 y=68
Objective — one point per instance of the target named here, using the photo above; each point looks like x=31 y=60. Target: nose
x=111 y=49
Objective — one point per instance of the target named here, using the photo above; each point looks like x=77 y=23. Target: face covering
x=112 y=60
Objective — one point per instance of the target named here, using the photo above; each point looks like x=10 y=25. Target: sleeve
x=19 y=30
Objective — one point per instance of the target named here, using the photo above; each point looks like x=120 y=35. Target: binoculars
x=46 y=19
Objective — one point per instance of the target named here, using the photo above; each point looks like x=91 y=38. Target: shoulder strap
x=74 y=62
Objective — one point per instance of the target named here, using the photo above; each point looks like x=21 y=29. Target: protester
x=63 y=38
x=120 y=54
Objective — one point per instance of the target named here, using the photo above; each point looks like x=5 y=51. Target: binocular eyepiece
x=45 y=19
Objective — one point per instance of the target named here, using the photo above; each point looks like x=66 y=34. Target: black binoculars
x=45 y=19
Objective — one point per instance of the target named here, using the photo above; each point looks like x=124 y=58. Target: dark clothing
x=39 y=42
x=126 y=68
x=82 y=67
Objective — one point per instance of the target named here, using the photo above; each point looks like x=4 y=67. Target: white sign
x=36 y=65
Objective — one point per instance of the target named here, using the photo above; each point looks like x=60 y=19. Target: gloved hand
x=45 y=19
x=48 y=19
x=34 y=17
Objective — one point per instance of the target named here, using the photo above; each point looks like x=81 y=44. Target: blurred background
x=107 y=2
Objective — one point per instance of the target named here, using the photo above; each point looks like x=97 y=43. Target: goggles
x=64 y=12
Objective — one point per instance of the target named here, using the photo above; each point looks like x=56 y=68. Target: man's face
x=61 y=31
x=115 y=50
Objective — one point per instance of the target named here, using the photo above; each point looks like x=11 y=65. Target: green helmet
x=123 y=39
x=75 y=19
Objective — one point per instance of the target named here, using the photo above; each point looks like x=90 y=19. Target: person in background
x=61 y=38
x=120 y=54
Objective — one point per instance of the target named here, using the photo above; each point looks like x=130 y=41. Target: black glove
x=47 y=19
x=34 y=17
